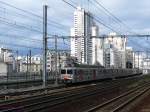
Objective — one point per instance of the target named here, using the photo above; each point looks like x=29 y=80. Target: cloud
x=134 y=14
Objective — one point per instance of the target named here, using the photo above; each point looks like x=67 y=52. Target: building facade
x=114 y=51
x=63 y=59
x=81 y=43
x=30 y=64
x=97 y=47
x=7 y=61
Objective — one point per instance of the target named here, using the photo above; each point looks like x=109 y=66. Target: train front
x=67 y=75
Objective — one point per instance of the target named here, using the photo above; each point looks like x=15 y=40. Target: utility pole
x=104 y=60
x=59 y=63
x=125 y=40
x=138 y=59
x=96 y=54
x=17 y=62
x=133 y=53
x=27 y=63
x=56 y=74
x=45 y=45
x=30 y=60
x=147 y=59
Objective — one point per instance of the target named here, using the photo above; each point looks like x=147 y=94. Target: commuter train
x=91 y=73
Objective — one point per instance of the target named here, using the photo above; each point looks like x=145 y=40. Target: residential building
x=112 y=57
x=63 y=59
x=30 y=64
x=114 y=51
x=7 y=61
x=146 y=66
x=6 y=55
x=6 y=69
x=138 y=59
x=97 y=47
x=81 y=44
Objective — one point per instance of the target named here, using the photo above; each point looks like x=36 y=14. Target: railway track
x=43 y=102
x=6 y=96
x=118 y=104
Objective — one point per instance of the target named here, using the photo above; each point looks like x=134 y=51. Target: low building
x=27 y=64
x=6 y=69
x=114 y=51
x=7 y=61
x=113 y=57
x=63 y=59
x=146 y=66
x=138 y=59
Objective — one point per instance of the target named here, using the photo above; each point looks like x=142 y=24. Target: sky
x=21 y=21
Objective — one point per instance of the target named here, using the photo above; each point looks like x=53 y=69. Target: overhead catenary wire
x=111 y=24
x=36 y=29
x=115 y=18
x=96 y=19
x=129 y=29
x=50 y=22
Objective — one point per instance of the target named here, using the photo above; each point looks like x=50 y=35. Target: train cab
x=66 y=75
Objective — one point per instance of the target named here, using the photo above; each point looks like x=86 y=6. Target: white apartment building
x=112 y=57
x=81 y=44
x=141 y=60
x=63 y=59
x=138 y=59
x=6 y=55
x=146 y=66
x=7 y=61
x=114 y=51
x=97 y=47
x=24 y=64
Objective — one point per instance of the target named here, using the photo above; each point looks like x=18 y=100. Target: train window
x=69 y=71
x=63 y=71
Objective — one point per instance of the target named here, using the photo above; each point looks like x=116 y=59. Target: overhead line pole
x=30 y=60
x=56 y=73
x=45 y=45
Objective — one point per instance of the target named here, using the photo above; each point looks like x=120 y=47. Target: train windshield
x=69 y=71
x=63 y=71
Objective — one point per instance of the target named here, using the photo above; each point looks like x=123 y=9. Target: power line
x=114 y=17
x=97 y=19
x=37 y=20
x=3 y=20
x=31 y=13
x=20 y=25
x=17 y=45
x=104 y=20
x=21 y=38
x=69 y=4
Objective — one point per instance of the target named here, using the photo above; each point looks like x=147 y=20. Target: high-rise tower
x=81 y=44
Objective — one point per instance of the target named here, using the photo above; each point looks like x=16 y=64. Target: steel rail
x=35 y=101
x=127 y=97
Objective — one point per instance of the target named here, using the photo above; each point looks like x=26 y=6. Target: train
x=93 y=73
